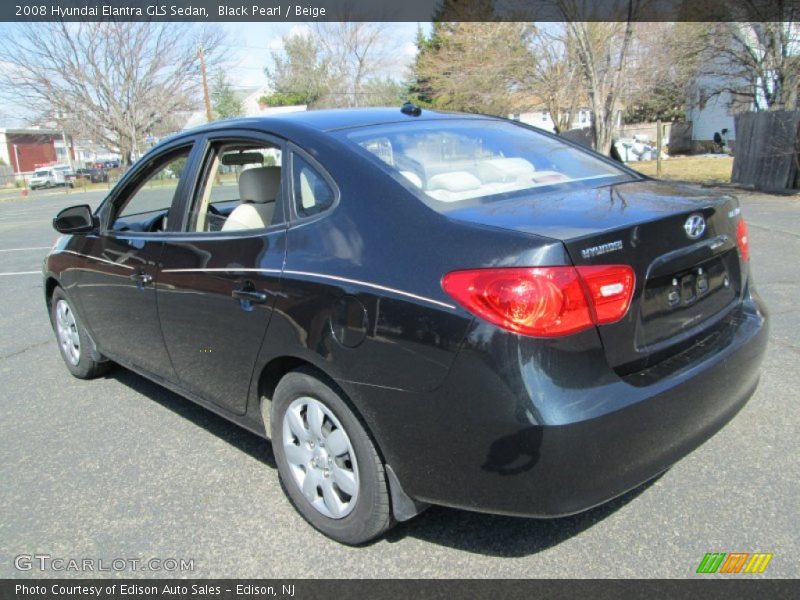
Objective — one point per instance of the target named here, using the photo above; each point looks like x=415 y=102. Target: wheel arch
x=50 y=284
x=403 y=506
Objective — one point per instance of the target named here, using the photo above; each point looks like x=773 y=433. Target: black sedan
x=418 y=308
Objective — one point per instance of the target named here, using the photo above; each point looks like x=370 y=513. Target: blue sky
x=251 y=44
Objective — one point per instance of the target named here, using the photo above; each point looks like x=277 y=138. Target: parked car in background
x=66 y=170
x=418 y=308
x=92 y=175
x=107 y=164
x=98 y=176
x=50 y=177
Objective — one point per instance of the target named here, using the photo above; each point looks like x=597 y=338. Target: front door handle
x=142 y=278
x=250 y=295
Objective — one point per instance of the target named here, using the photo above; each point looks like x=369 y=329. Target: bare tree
x=112 y=82
x=341 y=64
x=554 y=79
x=357 y=52
x=602 y=49
x=755 y=61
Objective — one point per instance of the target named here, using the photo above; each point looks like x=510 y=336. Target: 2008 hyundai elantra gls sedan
x=418 y=308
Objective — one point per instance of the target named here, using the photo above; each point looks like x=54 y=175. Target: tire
x=326 y=460
x=73 y=341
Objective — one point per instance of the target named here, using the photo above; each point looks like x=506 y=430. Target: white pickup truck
x=51 y=177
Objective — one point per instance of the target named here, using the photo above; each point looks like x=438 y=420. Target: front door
x=220 y=275
x=118 y=288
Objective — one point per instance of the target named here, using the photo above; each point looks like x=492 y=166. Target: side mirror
x=75 y=219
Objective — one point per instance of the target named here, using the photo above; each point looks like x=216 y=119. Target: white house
x=251 y=107
x=541 y=118
x=711 y=111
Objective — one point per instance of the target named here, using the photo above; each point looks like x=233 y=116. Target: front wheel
x=327 y=462
x=73 y=340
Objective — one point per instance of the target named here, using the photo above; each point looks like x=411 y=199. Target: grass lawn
x=697 y=169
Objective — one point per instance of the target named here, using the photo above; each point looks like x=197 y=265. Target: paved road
x=120 y=468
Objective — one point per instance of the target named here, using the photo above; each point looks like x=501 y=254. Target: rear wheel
x=73 y=341
x=327 y=462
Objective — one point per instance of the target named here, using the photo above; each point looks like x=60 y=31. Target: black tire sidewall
x=372 y=514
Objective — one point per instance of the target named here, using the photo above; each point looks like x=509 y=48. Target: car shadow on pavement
x=501 y=536
x=492 y=535
x=249 y=443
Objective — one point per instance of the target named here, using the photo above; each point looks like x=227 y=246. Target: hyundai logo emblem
x=695 y=226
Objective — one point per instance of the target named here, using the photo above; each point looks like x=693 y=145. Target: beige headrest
x=260 y=185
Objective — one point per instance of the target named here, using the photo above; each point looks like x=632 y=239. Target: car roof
x=332 y=119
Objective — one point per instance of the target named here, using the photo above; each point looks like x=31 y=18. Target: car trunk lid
x=680 y=241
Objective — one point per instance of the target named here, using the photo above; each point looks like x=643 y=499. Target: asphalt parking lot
x=121 y=468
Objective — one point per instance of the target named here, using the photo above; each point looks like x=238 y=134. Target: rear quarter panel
x=370 y=270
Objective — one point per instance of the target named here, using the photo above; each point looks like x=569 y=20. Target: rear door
x=117 y=287
x=221 y=273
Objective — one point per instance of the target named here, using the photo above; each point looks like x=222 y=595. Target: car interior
x=468 y=163
x=242 y=186
x=241 y=189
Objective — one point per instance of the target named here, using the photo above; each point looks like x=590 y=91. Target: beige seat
x=258 y=190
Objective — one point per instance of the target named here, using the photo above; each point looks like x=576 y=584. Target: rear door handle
x=250 y=295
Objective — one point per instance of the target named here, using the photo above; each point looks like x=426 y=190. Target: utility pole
x=659 y=142
x=206 y=98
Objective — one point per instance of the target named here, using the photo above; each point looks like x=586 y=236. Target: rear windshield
x=453 y=162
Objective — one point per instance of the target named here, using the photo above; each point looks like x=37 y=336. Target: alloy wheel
x=321 y=457
x=67 y=330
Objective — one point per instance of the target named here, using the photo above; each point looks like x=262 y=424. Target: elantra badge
x=601 y=249
x=695 y=226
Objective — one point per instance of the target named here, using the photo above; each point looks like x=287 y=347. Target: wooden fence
x=767 y=146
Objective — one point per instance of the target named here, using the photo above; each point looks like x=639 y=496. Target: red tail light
x=544 y=301
x=610 y=290
x=742 y=240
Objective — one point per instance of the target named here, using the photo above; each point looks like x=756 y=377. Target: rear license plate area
x=675 y=303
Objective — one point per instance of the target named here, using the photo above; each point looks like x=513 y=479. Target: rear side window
x=312 y=194
x=453 y=161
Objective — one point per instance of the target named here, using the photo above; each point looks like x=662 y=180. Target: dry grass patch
x=698 y=169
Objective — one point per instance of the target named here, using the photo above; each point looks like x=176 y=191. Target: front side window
x=312 y=194
x=241 y=190
x=147 y=205
x=452 y=161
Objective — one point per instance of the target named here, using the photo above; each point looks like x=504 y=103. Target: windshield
x=43 y=173
x=454 y=161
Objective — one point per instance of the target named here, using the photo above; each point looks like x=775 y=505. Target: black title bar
x=401 y=10
x=372 y=589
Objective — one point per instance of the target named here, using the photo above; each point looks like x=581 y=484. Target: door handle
x=250 y=295
x=142 y=278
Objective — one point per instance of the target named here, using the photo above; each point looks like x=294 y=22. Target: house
x=711 y=103
x=251 y=107
x=27 y=148
x=87 y=152
x=713 y=113
x=541 y=118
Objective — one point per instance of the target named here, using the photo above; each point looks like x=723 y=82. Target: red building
x=26 y=149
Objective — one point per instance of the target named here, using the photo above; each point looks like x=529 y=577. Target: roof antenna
x=412 y=110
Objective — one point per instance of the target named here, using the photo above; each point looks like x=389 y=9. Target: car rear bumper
x=554 y=450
